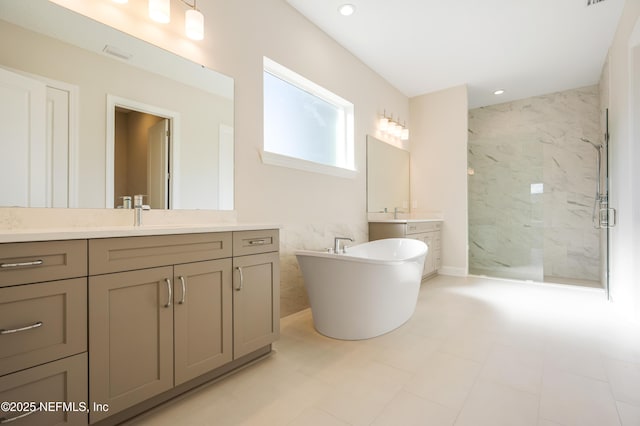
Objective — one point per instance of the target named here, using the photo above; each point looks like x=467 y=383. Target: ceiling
x=527 y=48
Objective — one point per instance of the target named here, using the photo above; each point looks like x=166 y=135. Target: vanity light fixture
x=193 y=22
x=499 y=92
x=160 y=11
x=397 y=130
x=347 y=9
x=404 y=135
x=391 y=130
x=389 y=127
x=383 y=124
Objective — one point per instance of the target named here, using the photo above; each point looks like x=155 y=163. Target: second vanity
x=113 y=322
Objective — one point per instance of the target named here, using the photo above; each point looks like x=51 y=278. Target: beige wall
x=439 y=168
x=312 y=208
x=623 y=80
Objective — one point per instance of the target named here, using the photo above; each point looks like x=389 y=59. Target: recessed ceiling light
x=347 y=9
x=498 y=92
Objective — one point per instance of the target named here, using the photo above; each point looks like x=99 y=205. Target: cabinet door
x=130 y=337
x=256 y=302
x=429 y=264
x=202 y=317
x=437 y=253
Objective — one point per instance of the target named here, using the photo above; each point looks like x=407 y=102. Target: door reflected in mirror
x=142 y=144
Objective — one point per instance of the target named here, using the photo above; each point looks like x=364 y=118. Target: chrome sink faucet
x=137 y=210
x=336 y=244
x=395 y=212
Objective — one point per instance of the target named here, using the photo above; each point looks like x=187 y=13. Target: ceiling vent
x=592 y=2
x=118 y=53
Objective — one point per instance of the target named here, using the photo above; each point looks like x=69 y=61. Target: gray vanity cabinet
x=256 y=285
x=162 y=313
x=144 y=339
x=43 y=330
x=155 y=328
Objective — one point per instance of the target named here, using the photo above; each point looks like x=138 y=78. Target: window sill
x=274 y=159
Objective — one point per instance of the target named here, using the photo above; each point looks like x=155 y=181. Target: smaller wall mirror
x=387 y=177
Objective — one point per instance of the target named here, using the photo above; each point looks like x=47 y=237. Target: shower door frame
x=607 y=229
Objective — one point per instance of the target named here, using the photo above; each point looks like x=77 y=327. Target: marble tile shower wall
x=532 y=184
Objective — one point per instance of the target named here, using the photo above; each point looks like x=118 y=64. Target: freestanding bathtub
x=368 y=291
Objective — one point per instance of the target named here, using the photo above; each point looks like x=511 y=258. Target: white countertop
x=79 y=233
x=403 y=220
x=47 y=224
x=399 y=217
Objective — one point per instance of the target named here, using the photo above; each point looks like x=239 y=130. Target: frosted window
x=304 y=121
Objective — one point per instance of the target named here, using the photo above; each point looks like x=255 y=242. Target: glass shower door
x=506 y=207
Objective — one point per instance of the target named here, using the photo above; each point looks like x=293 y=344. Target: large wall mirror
x=89 y=115
x=387 y=177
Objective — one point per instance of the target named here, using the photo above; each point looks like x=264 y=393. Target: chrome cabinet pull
x=16 y=330
x=21 y=264
x=239 y=268
x=184 y=291
x=5 y=420
x=257 y=242
x=168 y=281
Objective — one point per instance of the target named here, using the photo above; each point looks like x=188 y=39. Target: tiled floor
x=477 y=352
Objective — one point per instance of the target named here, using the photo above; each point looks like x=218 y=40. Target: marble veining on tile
x=533 y=186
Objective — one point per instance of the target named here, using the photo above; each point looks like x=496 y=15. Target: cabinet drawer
x=417 y=227
x=42 y=322
x=382 y=230
x=24 y=263
x=130 y=253
x=59 y=381
x=254 y=242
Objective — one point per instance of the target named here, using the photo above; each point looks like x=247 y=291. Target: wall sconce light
x=383 y=124
x=194 y=23
x=388 y=127
x=405 y=134
x=160 y=11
